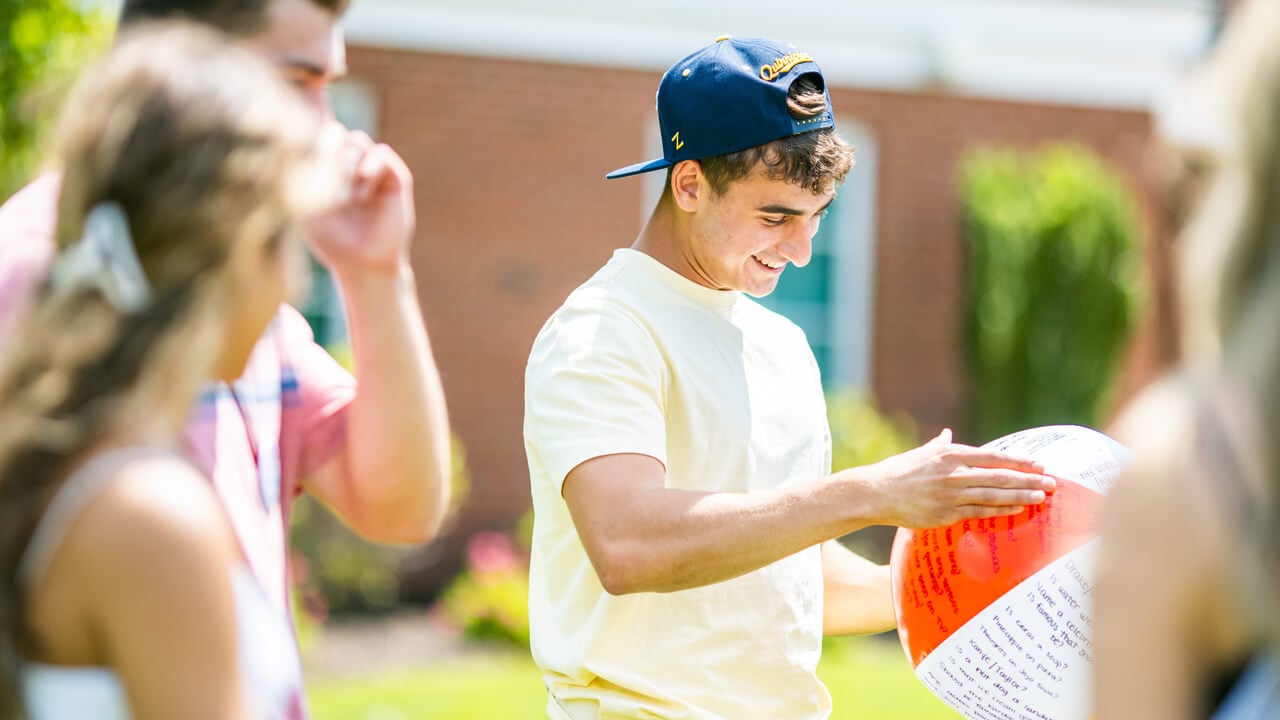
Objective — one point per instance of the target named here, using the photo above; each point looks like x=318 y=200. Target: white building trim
x=851 y=317
x=1078 y=52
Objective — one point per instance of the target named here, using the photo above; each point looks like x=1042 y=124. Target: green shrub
x=43 y=45
x=335 y=571
x=862 y=435
x=489 y=601
x=1053 y=285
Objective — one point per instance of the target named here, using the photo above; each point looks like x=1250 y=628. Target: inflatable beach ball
x=995 y=615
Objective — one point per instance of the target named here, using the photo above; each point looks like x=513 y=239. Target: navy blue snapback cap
x=729 y=96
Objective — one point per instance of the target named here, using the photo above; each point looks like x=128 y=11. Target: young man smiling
x=684 y=562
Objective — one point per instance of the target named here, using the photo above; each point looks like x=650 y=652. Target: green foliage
x=489 y=601
x=335 y=571
x=43 y=45
x=1053 y=285
x=861 y=435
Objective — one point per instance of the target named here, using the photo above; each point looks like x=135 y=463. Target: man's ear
x=687 y=184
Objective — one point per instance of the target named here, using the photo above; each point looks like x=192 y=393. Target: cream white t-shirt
x=727 y=395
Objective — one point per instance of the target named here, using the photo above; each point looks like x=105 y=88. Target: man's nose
x=797 y=246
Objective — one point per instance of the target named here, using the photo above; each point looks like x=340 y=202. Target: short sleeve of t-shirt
x=313 y=425
x=594 y=386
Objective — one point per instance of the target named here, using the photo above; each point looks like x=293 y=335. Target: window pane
x=809 y=283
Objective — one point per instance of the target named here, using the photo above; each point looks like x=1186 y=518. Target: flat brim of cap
x=641 y=167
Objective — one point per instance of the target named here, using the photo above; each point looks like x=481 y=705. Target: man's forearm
x=398 y=444
x=857 y=595
x=644 y=537
x=668 y=540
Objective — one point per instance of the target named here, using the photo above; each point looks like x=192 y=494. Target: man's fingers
x=1005 y=479
x=978 y=457
x=360 y=139
x=332 y=138
x=973 y=511
x=374 y=169
x=998 y=497
x=979 y=512
x=369 y=174
x=379 y=166
x=349 y=151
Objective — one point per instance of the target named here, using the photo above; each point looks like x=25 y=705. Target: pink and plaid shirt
x=255 y=438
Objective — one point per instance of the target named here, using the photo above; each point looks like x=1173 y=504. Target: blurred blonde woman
x=1187 y=602
x=123 y=592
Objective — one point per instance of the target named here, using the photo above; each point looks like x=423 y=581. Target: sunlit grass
x=868 y=679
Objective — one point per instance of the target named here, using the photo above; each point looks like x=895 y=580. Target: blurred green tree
x=862 y=435
x=336 y=571
x=43 y=45
x=1054 y=285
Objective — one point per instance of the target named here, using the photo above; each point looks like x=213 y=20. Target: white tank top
x=268 y=655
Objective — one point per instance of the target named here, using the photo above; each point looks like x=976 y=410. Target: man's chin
x=761 y=291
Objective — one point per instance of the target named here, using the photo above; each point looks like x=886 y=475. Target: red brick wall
x=514 y=212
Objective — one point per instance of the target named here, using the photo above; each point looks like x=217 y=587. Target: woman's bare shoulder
x=155 y=514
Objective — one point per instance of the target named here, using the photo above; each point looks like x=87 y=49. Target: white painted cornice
x=1081 y=52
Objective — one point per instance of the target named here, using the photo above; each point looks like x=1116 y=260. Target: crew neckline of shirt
x=674 y=280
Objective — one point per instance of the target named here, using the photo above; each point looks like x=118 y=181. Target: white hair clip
x=104 y=258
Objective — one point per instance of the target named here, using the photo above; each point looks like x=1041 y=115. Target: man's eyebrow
x=778 y=210
x=309 y=67
x=785 y=210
